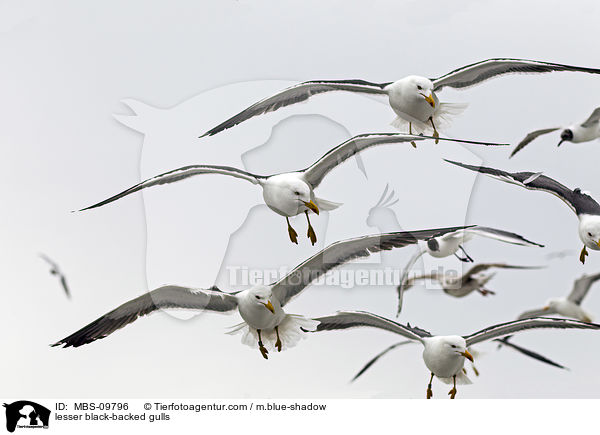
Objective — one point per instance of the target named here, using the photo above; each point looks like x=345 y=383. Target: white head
x=289 y=194
x=553 y=304
x=455 y=344
x=261 y=296
x=421 y=87
x=589 y=231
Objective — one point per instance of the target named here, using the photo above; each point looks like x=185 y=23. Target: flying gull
x=585 y=207
x=475 y=279
x=449 y=244
x=569 y=306
x=260 y=306
x=55 y=270
x=502 y=341
x=444 y=355
x=577 y=133
x=287 y=194
x=412 y=98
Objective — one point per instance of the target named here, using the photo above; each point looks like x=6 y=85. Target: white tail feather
x=325 y=205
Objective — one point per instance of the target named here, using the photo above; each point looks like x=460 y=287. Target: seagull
x=261 y=307
x=475 y=279
x=291 y=193
x=55 y=270
x=570 y=306
x=503 y=341
x=586 y=131
x=449 y=244
x=585 y=207
x=413 y=98
x=443 y=355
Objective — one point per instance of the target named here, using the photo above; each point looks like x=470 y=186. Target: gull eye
x=419 y=87
x=296 y=193
x=590 y=234
x=453 y=346
x=257 y=297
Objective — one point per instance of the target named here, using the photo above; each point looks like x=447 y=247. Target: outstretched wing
x=161 y=298
x=376 y=358
x=296 y=94
x=581 y=288
x=315 y=173
x=355 y=319
x=481 y=267
x=538 y=312
x=342 y=252
x=528 y=352
x=181 y=174
x=530 y=137
x=513 y=327
x=579 y=202
x=486 y=69
x=593 y=119
x=501 y=235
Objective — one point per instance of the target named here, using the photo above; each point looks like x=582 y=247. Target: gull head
x=262 y=296
x=565 y=136
x=456 y=345
x=589 y=231
x=422 y=88
x=554 y=304
x=289 y=195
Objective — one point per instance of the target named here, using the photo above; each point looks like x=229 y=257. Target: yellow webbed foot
x=293 y=235
x=278 y=345
x=429 y=393
x=263 y=351
x=312 y=235
x=452 y=393
x=584 y=253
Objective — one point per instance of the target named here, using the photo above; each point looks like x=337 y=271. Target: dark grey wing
x=315 y=173
x=296 y=94
x=355 y=319
x=63 y=282
x=48 y=260
x=376 y=358
x=166 y=297
x=530 y=137
x=181 y=174
x=501 y=235
x=579 y=202
x=581 y=288
x=529 y=353
x=515 y=326
x=484 y=70
x=342 y=252
x=593 y=119
x=481 y=267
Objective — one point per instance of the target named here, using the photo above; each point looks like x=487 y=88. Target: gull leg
x=452 y=392
x=429 y=390
x=467 y=258
x=584 y=253
x=311 y=232
x=435 y=132
x=410 y=132
x=485 y=292
x=475 y=370
x=293 y=234
x=278 y=342
x=261 y=346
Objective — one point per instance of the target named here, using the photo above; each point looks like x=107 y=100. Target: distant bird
x=444 y=355
x=449 y=244
x=291 y=193
x=569 y=306
x=585 y=207
x=412 y=98
x=475 y=279
x=577 y=133
x=55 y=270
x=261 y=306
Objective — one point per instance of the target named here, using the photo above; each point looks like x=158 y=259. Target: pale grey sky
x=183 y=67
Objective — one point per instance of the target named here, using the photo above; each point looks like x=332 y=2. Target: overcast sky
x=96 y=97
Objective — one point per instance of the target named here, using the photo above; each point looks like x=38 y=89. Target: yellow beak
x=598 y=243
x=430 y=100
x=270 y=307
x=545 y=308
x=467 y=355
x=311 y=205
